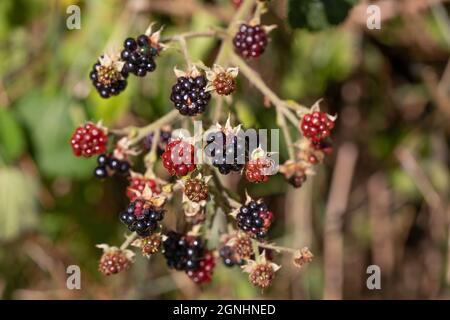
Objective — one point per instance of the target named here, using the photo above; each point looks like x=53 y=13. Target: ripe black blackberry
x=108 y=164
x=189 y=95
x=139 y=56
x=141 y=216
x=226 y=155
x=250 y=41
x=255 y=219
x=183 y=252
x=107 y=79
x=164 y=138
x=228 y=255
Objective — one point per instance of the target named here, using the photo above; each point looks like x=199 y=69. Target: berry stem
x=276 y=248
x=129 y=239
x=185 y=51
x=140 y=133
x=195 y=34
x=287 y=135
x=151 y=157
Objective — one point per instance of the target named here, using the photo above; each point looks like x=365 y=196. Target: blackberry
x=316 y=126
x=164 y=138
x=250 y=41
x=224 y=84
x=183 y=252
x=196 y=190
x=88 y=139
x=108 y=164
x=107 y=80
x=255 y=219
x=255 y=169
x=262 y=275
x=112 y=262
x=142 y=217
x=151 y=244
x=228 y=256
x=139 y=56
x=189 y=95
x=224 y=155
x=205 y=269
x=178 y=158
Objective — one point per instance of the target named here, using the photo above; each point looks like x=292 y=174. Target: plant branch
x=129 y=239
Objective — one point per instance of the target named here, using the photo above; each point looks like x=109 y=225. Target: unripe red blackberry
x=203 y=273
x=151 y=244
x=196 y=190
x=255 y=219
x=139 y=55
x=255 y=169
x=88 y=140
x=142 y=217
x=224 y=84
x=250 y=41
x=316 y=126
x=137 y=185
x=262 y=275
x=236 y=3
x=178 y=158
x=189 y=95
x=113 y=261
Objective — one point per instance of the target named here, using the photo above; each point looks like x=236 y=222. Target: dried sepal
x=192 y=72
x=111 y=59
x=155 y=37
x=302 y=256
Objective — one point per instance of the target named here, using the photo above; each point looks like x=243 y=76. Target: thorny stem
x=129 y=239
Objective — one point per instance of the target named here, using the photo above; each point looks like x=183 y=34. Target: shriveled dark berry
x=224 y=84
x=113 y=262
x=196 y=190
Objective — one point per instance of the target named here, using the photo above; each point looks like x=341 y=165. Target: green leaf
x=12 y=139
x=316 y=15
x=18 y=202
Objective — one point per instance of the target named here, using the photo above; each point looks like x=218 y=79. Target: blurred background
x=381 y=198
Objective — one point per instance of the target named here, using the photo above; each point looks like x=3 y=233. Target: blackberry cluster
x=250 y=41
x=138 y=56
x=183 y=252
x=141 y=216
x=255 y=219
x=189 y=96
x=221 y=152
x=107 y=80
x=114 y=165
x=164 y=138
